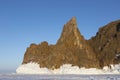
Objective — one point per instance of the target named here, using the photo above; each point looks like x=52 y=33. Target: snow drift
x=33 y=68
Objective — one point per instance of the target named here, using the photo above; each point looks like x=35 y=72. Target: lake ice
x=58 y=77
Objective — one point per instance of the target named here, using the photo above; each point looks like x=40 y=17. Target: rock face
x=106 y=44
x=72 y=48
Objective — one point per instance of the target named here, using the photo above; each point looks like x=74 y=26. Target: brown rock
x=106 y=44
x=72 y=48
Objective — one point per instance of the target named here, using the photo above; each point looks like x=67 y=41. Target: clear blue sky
x=23 y=22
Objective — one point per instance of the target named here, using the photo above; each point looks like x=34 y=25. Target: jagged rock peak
x=71 y=33
x=71 y=24
x=72 y=21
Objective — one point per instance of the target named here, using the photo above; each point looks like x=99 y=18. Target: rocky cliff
x=72 y=48
x=106 y=44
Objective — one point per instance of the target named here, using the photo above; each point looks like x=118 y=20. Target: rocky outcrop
x=106 y=44
x=72 y=48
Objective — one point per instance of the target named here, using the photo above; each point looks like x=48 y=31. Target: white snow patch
x=33 y=68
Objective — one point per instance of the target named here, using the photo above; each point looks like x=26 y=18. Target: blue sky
x=23 y=22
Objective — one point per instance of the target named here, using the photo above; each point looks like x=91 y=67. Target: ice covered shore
x=33 y=68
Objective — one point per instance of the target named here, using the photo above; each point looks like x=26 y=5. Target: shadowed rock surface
x=72 y=48
x=106 y=44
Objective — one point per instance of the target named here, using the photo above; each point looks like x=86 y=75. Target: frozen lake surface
x=58 y=77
